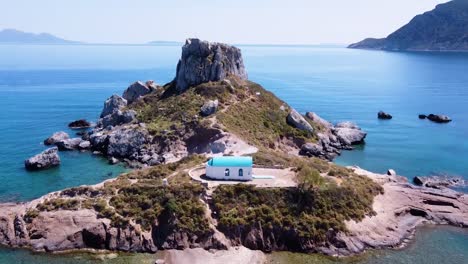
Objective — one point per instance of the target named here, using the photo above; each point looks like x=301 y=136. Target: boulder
x=79 y=124
x=117 y=118
x=391 y=172
x=46 y=159
x=69 y=144
x=85 y=144
x=112 y=105
x=135 y=91
x=203 y=62
x=210 y=107
x=56 y=137
x=317 y=119
x=439 y=118
x=383 y=115
x=349 y=133
x=422 y=116
x=298 y=121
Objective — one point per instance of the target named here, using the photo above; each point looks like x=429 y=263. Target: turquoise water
x=42 y=88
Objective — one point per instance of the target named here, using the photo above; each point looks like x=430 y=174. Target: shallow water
x=43 y=88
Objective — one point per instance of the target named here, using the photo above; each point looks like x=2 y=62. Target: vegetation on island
x=327 y=195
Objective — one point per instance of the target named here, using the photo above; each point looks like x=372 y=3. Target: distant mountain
x=20 y=37
x=443 y=29
x=165 y=43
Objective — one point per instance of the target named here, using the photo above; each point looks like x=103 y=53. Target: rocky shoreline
x=202 y=113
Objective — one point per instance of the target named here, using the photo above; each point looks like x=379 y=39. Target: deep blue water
x=42 y=88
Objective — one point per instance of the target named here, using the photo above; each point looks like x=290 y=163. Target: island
x=13 y=36
x=171 y=132
x=443 y=29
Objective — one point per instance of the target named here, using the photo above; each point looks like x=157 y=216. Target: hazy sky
x=233 y=21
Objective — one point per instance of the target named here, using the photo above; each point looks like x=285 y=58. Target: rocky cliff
x=203 y=61
x=443 y=29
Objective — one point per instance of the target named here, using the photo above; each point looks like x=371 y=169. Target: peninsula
x=211 y=109
x=443 y=29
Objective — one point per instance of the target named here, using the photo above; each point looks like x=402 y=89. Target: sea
x=44 y=87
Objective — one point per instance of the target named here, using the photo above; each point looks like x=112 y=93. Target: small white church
x=230 y=168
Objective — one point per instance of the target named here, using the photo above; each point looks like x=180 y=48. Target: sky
x=232 y=21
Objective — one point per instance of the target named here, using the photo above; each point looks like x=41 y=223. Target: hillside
x=20 y=37
x=443 y=29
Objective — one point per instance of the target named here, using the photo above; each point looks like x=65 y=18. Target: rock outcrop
x=203 y=61
x=46 y=159
x=332 y=139
x=439 y=182
x=56 y=137
x=79 y=124
x=443 y=29
x=112 y=105
x=137 y=90
x=298 y=121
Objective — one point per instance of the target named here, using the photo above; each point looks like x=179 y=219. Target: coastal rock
x=439 y=118
x=126 y=142
x=298 y=121
x=112 y=105
x=56 y=137
x=391 y=172
x=79 y=124
x=317 y=119
x=311 y=150
x=203 y=61
x=69 y=144
x=349 y=133
x=117 y=118
x=85 y=144
x=438 y=182
x=422 y=116
x=209 y=108
x=383 y=115
x=46 y=159
x=135 y=91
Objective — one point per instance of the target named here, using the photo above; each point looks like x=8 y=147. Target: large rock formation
x=203 y=61
x=443 y=29
x=46 y=159
x=112 y=105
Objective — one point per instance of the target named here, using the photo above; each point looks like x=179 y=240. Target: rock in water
x=78 y=124
x=203 y=61
x=383 y=115
x=46 y=159
x=349 y=133
x=112 y=105
x=439 y=118
x=56 y=137
x=69 y=144
x=298 y=121
x=135 y=91
x=209 y=108
x=422 y=116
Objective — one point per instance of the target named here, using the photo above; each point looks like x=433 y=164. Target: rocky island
x=211 y=108
x=443 y=29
